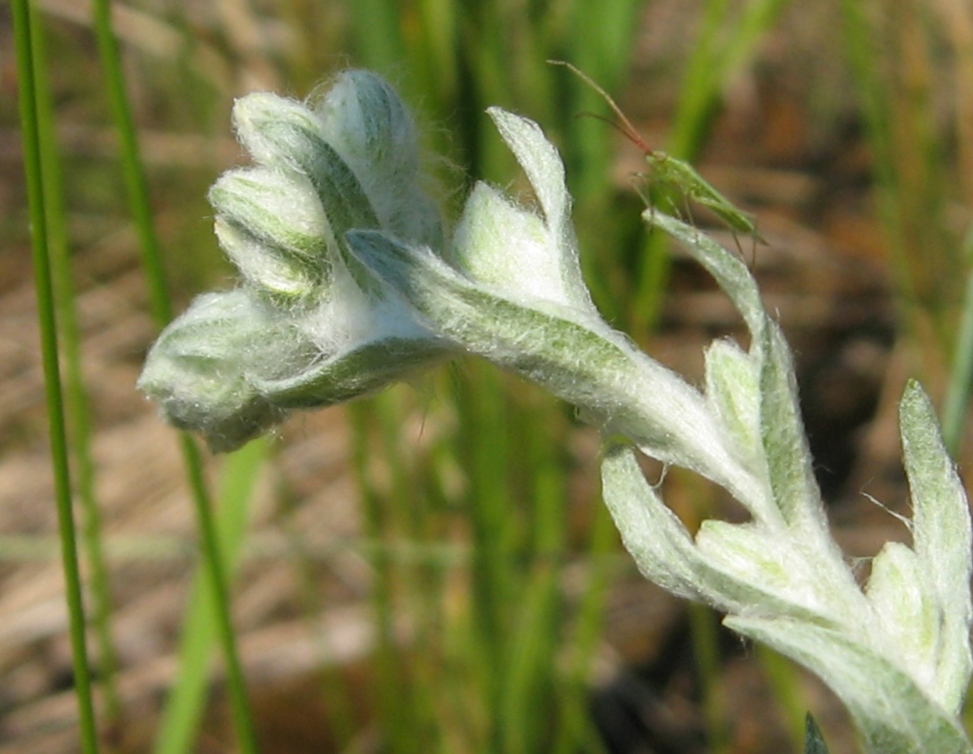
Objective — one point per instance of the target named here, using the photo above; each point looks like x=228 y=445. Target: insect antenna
x=620 y=127
x=623 y=125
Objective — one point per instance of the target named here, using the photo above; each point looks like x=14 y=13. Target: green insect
x=671 y=171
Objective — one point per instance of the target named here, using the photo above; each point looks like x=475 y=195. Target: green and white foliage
x=349 y=284
x=307 y=327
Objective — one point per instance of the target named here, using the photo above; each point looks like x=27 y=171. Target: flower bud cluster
x=307 y=326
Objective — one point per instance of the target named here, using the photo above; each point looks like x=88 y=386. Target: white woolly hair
x=369 y=126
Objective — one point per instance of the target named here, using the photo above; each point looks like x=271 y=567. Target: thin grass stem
x=785 y=687
x=891 y=56
x=393 y=703
x=186 y=701
x=377 y=34
x=705 y=641
x=961 y=374
x=529 y=686
x=160 y=305
x=30 y=129
x=75 y=390
x=340 y=716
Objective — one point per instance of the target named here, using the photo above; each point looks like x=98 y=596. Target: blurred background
x=431 y=569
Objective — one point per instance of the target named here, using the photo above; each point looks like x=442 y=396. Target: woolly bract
x=307 y=327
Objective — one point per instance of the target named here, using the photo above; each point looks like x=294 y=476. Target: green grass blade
x=213 y=561
x=755 y=21
x=30 y=128
x=530 y=685
x=785 y=686
x=377 y=34
x=136 y=184
x=393 y=696
x=578 y=731
x=700 y=85
x=75 y=391
x=187 y=699
x=140 y=207
x=706 y=654
x=961 y=374
x=603 y=52
x=437 y=67
x=526 y=703
x=486 y=458
x=713 y=63
x=898 y=64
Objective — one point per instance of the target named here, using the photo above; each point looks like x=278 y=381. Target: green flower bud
x=732 y=392
x=310 y=327
x=490 y=226
x=368 y=125
x=285 y=135
x=274 y=230
x=532 y=259
x=197 y=370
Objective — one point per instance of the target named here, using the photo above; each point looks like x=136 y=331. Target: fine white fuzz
x=348 y=286
x=308 y=327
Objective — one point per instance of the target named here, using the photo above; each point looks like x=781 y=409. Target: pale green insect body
x=681 y=175
x=678 y=175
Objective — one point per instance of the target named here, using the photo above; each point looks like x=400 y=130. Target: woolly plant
x=348 y=284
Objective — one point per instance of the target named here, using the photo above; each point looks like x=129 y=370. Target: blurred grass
x=180 y=720
x=497 y=660
x=900 y=58
x=214 y=565
x=31 y=102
